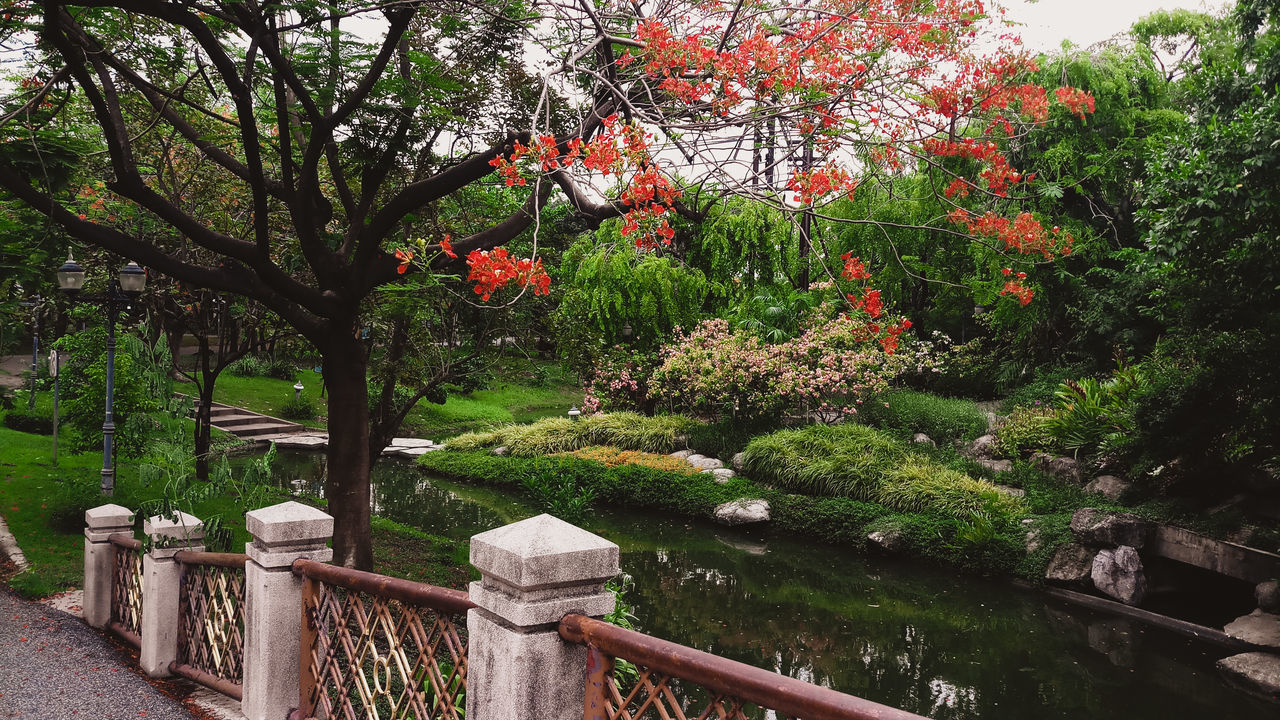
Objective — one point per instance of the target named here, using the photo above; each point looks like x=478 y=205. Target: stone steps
x=248 y=424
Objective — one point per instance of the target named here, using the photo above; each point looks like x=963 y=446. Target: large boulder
x=1109 y=486
x=1100 y=528
x=742 y=512
x=1118 y=573
x=704 y=463
x=1268 y=594
x=996 y=466
x=1071 y=565
x=1063 y=468
x=889 y=540
x=1254 y=672
x=720 y=475
x=983 y=447
x=682 y=454
x=738 y=461
x=1258 y=627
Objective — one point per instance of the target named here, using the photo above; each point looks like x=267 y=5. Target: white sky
x=1047 y=23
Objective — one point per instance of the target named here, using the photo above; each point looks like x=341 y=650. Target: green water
x=919 y=638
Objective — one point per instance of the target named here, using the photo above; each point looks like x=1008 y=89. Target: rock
x=1108 y=486
x=1101 y=529
x=1254 y=672
x=500 y=450
x=923 y=439
x=694 y=457
x=887 y=540
x=413 y=452
x=738 y=461
x=411 y=442
x=983 y=447
x=1118 y=573
x=720 y=475
x=1268 y=594
x=742 y=512
x=994 y=421
x=996 y=466
x=705 y=463
x=1258 y=627
x=1033 y=541
x=682 y=454
x=1065 y=469
x=1040 y=460
x=1011 y=491
x=1071 y=565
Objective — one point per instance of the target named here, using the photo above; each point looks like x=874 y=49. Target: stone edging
x=9 y=548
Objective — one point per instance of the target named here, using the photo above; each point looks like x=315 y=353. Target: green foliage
x=560 y=495
x=1027 y=430
x=860 y=463
x=253 y=366
x=1042 y=389
x=141 y=385
x=1096 y=416
x=628 y=431
x=942 y=419
x=38 y=420
x=303 y=408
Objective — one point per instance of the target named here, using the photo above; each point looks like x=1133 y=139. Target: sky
x=1085 y=22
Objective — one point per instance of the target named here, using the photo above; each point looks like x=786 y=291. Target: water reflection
x=913 y=637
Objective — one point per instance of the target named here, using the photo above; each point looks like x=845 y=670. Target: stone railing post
x=273 y=603
x=99 y=559
x=534 y=573
x=161 y=577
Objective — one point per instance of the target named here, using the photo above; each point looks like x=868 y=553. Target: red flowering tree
x=336 y=127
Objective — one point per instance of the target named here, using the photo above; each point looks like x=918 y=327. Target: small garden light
x=297 y=392
x=574 y=412
x=626 y=330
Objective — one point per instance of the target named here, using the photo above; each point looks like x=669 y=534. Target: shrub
x=942 y=419
x=614 y=457
x=860 y=463
x=254 y=366
x=38 y=421
x=628 y=431
x=141 y=385
x=1093 y=415
x=301 y=409
x=1027 y=430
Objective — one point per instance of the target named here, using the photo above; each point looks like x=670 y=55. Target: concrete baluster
x=99 y=559
x=534 y=572
x=273 y=603
x=161 y=577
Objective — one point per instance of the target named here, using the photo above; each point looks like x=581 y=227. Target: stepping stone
x=1259 y=627
x=411 y=442
x=720 y=475
x=1255 y=672
x=412 y=451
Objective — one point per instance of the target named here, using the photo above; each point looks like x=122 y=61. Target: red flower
x=405 y=257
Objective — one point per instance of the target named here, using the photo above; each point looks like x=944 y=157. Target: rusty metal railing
x=211 y=624
x=674 y=681
x=126 y=588
x=380 y=647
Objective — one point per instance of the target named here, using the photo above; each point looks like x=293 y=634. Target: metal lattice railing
x=126 y=588
x=379 y=647
x=674 y=682
x=211 y=625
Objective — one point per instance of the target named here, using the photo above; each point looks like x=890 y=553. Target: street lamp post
x=123 y=289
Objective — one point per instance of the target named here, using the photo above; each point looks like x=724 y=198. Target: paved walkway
x=52 y=665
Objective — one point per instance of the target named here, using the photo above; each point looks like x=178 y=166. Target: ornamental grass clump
x=942 y=419
x=626 y=431
x=860 y=463
x=614 y=457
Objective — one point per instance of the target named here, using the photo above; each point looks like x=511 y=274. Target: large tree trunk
x=347 y=480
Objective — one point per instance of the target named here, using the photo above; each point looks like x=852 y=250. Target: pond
x=914 y=637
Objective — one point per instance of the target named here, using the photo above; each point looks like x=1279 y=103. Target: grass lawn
x=261 y=394
x=43 y=507
x=528 y=391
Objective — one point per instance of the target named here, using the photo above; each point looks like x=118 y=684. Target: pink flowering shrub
x=621 y=382
x=836 y=363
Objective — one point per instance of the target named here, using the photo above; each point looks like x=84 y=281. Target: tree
x=335 y=145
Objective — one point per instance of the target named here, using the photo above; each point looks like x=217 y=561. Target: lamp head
x=132 y=279
x=70 y=276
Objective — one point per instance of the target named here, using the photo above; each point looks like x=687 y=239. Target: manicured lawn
x=262 y=394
